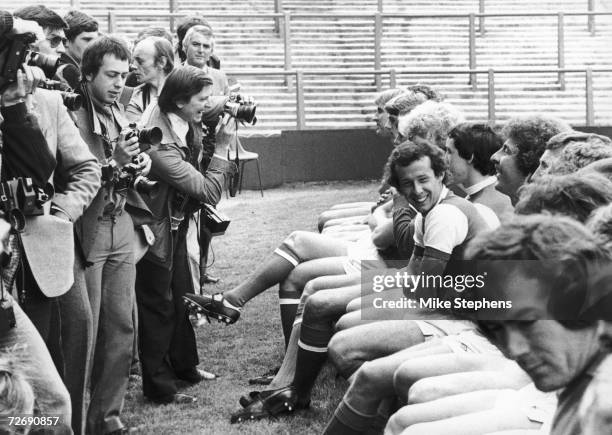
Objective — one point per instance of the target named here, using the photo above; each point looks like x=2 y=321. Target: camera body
x=236 y=106
x=130 y=176
x=146 y=136
x=241 y=108
x=14 y=52
x=19 y=198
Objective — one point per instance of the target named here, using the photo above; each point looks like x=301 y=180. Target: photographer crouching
x=168 y=348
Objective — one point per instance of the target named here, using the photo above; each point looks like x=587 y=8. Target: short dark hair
x=181 y=30
x=565 y=248
x=571 y=195
x=182 y=84
x=530 y=134
x=44 y=16
x=79 y=22
x=410 y=151
x=95 y=51
x=477 y=142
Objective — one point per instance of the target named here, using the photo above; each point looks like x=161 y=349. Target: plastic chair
x=244 y=157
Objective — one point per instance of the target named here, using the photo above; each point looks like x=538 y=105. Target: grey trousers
x=110 y=284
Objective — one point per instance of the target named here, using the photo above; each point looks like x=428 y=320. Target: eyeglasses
x=55 y=40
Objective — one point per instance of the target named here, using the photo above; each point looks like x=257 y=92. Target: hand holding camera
x=26 y=83
x=143 y=162
x=127 y=148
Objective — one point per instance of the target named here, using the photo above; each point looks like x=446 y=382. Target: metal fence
x=298 y=76
x=476 y=24
x=283 y=24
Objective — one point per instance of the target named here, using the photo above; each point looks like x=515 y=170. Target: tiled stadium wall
x=324 y=155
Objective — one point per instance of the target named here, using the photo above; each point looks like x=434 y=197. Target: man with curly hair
x=569 y=151
x=519 y=157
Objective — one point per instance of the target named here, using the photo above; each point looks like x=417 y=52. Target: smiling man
x=519 y=157
x=541 y=263
x=167 y=341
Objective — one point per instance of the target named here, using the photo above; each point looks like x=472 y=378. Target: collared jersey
x=444 y=232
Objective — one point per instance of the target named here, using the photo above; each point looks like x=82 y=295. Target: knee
x=323 y=218
x=293 y=283
x=395 y=425
x=353 y=305
x=341 y=354
x=406 y=422
x=315 y=308
x=421 y=391
x=297 y=244
x=309 y=290
x=345 y=322
x=367 y=377
x=294 y=239
x=402 y=381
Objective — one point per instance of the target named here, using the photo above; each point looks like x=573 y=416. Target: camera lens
x=151 y=135
x=72 y=101
x=46 y=62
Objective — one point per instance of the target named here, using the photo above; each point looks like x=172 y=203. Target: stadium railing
x=298 y=76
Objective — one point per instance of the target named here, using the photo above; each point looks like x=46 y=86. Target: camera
x=48 y=63
x=14 y=52
x=214 y=220
x=146 y=136
x=130 y=176
x=240 y=108
x=71 y=100
x=19 y=198
x=236 y=105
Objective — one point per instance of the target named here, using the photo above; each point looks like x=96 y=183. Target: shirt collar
x=443 y=195
x=180 y=126
x=481 y=185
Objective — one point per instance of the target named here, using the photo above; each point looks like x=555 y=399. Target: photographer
x=198 y=44
x=106 y=230
x=168 y=348
x=53 y=27
x=27 y=152
x=82 y=29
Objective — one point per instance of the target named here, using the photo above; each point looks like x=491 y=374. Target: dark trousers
x=44 y=313
x=65 y=325
x=166 y=338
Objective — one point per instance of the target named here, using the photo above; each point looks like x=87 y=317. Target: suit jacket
x=49 y=241
x=172 y=167
x=91 y=132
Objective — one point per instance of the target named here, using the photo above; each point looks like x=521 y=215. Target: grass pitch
x=255 y=343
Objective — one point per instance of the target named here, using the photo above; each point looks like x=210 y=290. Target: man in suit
x=106 y=230
x=51 y=281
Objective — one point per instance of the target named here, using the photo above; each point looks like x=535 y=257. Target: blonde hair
x=16 y=394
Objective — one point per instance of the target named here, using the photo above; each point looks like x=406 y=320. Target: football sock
x=347 y=421
x=311 y=356
x=289 y=301
x=273 y=271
